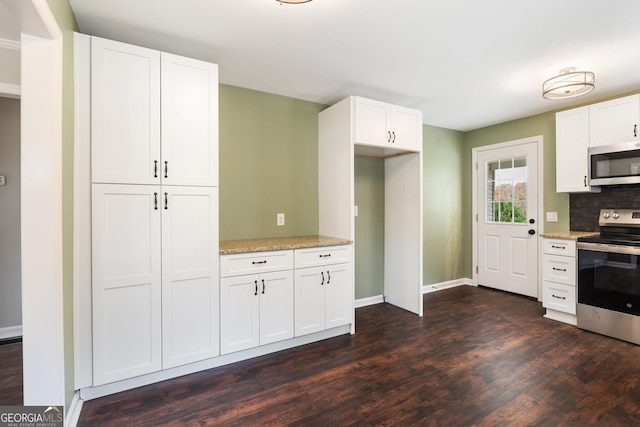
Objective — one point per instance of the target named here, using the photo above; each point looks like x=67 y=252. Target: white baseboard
x=379 y=299
x=72 y=415
x=10 y=332
x=363 y=302
x=445 y=285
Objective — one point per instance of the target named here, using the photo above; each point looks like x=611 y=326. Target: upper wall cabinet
x=614 y=121
x=572 y=143
x=154 y=117
x=385 y=125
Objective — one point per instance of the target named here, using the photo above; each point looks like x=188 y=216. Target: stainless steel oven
x=609 y=276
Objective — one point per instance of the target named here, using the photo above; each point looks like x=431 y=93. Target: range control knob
x=606 y=215
x=616 y=215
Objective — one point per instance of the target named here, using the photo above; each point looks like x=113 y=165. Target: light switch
x=552 y=216
x=3 y=180
x=280 y=219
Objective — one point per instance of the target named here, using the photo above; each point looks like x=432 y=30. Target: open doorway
x=10 y=258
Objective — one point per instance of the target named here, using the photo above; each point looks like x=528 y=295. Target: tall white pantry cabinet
x=153 y=132
x=359 y=126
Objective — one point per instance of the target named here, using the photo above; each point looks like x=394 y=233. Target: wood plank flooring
x=478 y=357
x=11 y=374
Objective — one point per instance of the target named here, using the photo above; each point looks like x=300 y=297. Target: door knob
x=532 y=232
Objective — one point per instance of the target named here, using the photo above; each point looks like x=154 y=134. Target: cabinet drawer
x=255 y=262
x=559 y=247
x=559 y=297
x=559 y=269
x=313 y=257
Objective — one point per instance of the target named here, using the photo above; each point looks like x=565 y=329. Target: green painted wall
x=66 y=20
x=443 y=211
x=369 y=248
x=268 y=164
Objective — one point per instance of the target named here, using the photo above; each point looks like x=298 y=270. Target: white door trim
x=539 y=141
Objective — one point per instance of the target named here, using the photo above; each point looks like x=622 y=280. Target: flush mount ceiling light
x=293 y=1
x=568 y=84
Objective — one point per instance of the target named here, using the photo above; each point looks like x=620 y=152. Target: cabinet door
x=190 y=275
x=406 y=128
x=339 y=300
x=372 y=120
x=572 y=143
x=125 y=113
x=276 y=306
x=309 y=300
x=126 y=282
x=615 y=121
x=239 y=313
x=189 y=121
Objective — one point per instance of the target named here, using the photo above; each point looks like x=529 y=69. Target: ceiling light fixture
x=293 y=1
x=568 y=84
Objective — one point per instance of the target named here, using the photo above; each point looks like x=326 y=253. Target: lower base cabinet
x=256 y=310
x=323 y=298
x=559 y=279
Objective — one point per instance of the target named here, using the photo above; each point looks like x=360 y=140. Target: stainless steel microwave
x=615 y=164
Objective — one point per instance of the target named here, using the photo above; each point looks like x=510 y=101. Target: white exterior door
x=125 y=113
x=190 y=305
x=189 y=121
x=276 y=306
x=126 y=282
x=239 y=313
x=507 y=223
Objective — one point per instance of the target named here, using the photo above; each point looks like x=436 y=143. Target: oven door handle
x=615 y=249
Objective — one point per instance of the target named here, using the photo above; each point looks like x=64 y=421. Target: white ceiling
x=466 y=64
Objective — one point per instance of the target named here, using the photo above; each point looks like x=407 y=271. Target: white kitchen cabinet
x=614 y=121
x=559 y=274
x=323 y=293
x=338 y=145
x=572 y=143
x=126 y=251
x=125 y=113
x=386 y=125
x=155 y=278
x=154 y=117
x=189 y=121
x=256 y=309
x=190 y=276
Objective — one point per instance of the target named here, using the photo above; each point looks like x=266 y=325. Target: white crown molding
x=9 y=44
x=47 y=18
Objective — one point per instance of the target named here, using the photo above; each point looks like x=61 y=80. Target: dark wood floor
x=478 y=357
x=11 y=374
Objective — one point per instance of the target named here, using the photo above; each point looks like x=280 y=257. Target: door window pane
x=506 y=191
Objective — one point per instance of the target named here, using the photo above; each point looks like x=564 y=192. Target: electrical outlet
x=280 y=219
x=552 y=216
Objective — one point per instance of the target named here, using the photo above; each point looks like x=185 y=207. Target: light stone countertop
x=569 y=235
x=278 y=244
